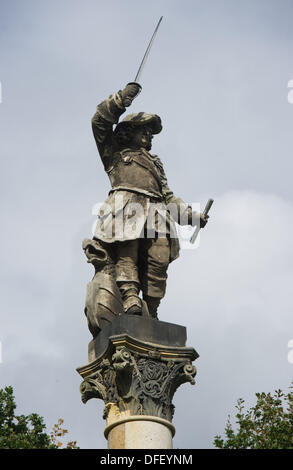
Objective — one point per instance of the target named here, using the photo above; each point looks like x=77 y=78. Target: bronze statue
x=137 y=245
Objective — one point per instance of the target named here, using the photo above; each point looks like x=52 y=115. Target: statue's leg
x=127 y=275
x=156 y=257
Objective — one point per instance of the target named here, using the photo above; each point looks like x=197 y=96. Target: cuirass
x=135 y=170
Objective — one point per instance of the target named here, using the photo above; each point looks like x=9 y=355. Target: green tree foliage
x=267 y=425
x=26 y=432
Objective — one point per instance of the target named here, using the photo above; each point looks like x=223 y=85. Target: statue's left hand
x=194 y=216
x=203 y=220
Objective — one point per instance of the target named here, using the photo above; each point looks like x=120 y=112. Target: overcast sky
x=218 y=76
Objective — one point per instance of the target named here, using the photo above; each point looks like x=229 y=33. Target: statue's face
x=142 y=137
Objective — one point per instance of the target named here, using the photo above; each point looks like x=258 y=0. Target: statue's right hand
x=129 y=93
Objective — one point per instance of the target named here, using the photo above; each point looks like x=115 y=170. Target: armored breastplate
x=135 y=170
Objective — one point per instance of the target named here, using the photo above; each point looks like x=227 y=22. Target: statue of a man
x=141 y=255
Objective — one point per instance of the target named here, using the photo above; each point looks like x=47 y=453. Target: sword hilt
x=139 y=87
x=129 y=98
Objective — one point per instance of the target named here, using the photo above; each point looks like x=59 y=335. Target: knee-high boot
x=153 y=304
x=131 y=302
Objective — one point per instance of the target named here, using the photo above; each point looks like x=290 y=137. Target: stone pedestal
x=136 y=365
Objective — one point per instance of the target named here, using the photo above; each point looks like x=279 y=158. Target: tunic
x=140 y=202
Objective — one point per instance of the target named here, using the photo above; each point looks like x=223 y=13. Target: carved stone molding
x=138 y=378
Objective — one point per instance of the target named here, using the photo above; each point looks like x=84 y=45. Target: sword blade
x=147 y=52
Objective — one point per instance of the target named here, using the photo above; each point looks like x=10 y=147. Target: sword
x=147 y=52
x=139 y=72
x=205 y=212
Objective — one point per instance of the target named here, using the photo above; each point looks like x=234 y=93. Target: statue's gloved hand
x=129 y=93
x=194 y=217
x=203 y=220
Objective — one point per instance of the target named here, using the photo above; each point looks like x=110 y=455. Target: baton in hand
x=205 y=212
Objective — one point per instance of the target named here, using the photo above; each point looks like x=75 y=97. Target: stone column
x=136 y=365
x=138 y=432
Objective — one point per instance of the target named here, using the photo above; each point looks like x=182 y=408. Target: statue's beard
x=146 y=143
x=141 y=142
